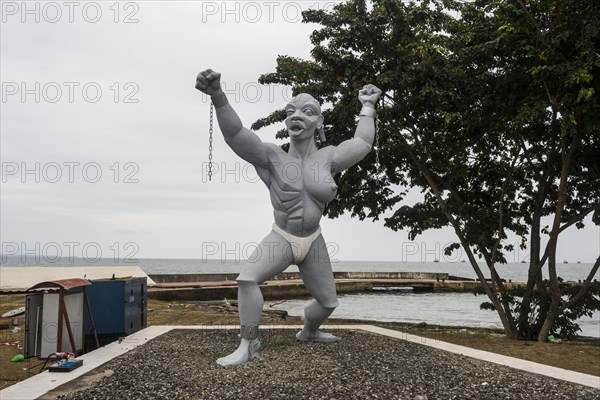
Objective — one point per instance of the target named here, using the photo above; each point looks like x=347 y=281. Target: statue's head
x=304 y=118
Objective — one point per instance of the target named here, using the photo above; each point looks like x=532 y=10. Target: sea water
x=450 y=309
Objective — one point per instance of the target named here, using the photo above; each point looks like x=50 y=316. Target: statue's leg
x=317 y=275
x=271 y=257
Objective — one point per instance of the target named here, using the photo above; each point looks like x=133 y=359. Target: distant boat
x=436 y=260
x=463 y=261
x=578 y=262
x=523 y=262
x=565 y=262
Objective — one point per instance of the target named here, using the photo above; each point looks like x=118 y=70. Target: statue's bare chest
x=294 y=178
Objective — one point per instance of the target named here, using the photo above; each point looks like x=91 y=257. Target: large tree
x=490 y=108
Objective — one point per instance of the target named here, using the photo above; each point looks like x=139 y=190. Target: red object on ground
x=66 y=284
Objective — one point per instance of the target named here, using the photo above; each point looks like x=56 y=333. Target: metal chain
x=377 y=163
x=210 y=143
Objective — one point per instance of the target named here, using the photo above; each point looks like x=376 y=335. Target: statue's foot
x=316 y=336
x=247 y=351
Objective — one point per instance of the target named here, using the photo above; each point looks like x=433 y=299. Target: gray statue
x=301 y=184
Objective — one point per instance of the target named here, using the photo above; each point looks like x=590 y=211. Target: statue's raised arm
x=353 y=150
x=243 y=141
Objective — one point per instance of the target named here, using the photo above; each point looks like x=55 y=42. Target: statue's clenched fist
x=208 y=82
x=369 y=95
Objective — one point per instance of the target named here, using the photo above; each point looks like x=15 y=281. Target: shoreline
x=511 y=270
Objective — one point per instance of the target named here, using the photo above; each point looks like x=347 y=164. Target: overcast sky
x=104 y=140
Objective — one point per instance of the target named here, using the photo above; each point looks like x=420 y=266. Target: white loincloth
x=300 y=245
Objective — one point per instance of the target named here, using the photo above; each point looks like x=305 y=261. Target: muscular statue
x=300 y=183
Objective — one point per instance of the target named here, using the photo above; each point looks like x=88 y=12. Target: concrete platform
x=41 y=384
x=289 y=285
x=167 y=285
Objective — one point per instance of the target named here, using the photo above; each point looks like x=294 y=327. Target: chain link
x=210 y=143
x=377 y=163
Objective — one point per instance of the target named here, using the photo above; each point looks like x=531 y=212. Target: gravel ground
x=181 y=365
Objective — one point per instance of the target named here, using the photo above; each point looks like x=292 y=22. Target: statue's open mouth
x=295 y=128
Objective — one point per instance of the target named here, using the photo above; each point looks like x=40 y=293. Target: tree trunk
x=552 y=313
x=534 y=278
x=567 y=158
x=492 y=292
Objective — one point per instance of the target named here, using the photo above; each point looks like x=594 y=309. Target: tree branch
x=567 y=158
x=535 y=24
x=501 y=210
x=578 y=217
x=583 y=289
